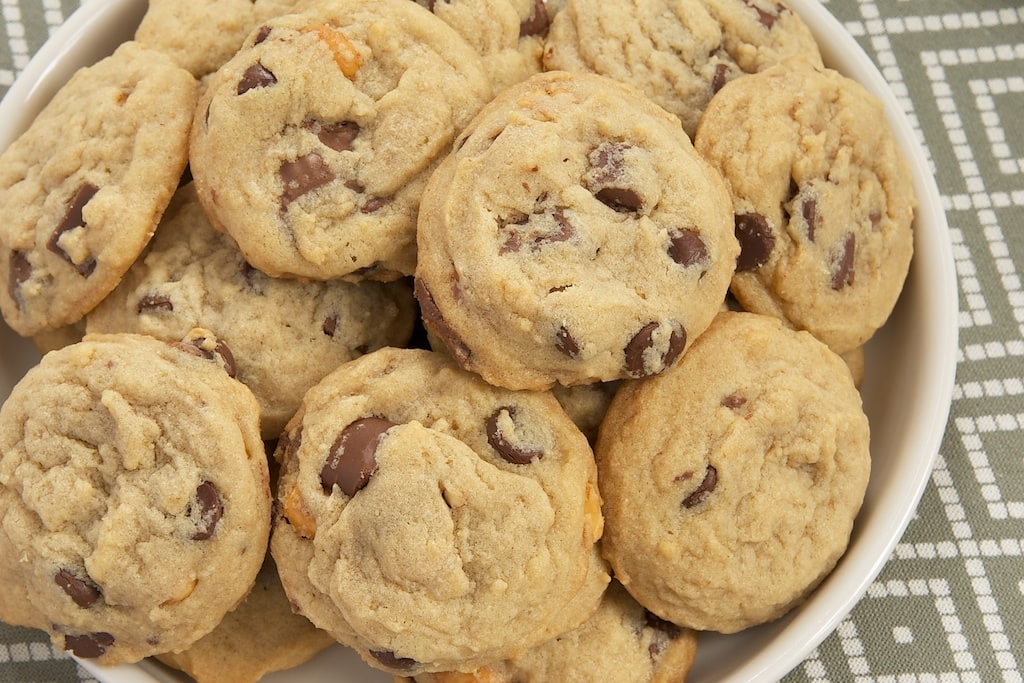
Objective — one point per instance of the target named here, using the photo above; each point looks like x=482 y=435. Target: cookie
x=572 y=236
x=679 y=53
x=200 y=35
x=312 y=145
x=823 y=198
x=434 y=522
x=285 y=334
x=507 y=34
x=731 y=481
x=621 y=642
x=586 y=404
x=260 y=636
x=134 y=495
x=82 y=190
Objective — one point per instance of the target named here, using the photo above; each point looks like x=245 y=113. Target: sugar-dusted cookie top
x=434 y=522
x=731 y=481
x=572 y=236
x=82 y=190
x=134 y=495
x=823 y=197
x=312 y=145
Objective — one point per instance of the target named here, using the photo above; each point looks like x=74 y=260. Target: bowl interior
x=907 y=388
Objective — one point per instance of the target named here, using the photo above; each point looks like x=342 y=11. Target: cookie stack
x=550 y=315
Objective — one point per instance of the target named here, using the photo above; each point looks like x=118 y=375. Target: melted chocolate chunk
x=338 y=136
x=194 y=347
x=707 y=485
x=374 y=204
x=607 y=163
x=842 y=265
x=545 y=226
x=256 y=76
x=83 y=592
x=261 y=35
x=303 y=175
x=809 y=210
x=207 y=508
x=89 y=645
x=565 y=342
x=687 y=248
x=734 y=401
x=636 y=365
x=512 y=451
x=73 y=219
x=393 y=661
x=154 y=303
x=537 y=23
x=767 y=19
x=352 y=459
x=330 y=325
x=621 y=199
x=720 y=78
x=436 y=323
x=756 y=241
x=20 y=270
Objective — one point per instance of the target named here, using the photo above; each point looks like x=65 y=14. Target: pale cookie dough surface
x=434 y=522
x=621 y=642
x=678 y=52
x=732 y=481
x=260 y=636
x=507 y=34
x=134 y=496
x=572 y=236
x=82 y=190
x=312 y=145
x=823 y=198
x=285 y=334
x=201 y=35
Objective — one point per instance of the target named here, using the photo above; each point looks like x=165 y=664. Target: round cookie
x=82 y=190
x=312 y=145
x=507 y=34
x=678 y=52
x=572 y=236
x=731 y=481
x=823 y=198
x=201 y=35
x=285 y=334
x=134 y=495
x=621 y=642
x=434 y=522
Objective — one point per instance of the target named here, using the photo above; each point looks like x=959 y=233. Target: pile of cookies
x=498 y=340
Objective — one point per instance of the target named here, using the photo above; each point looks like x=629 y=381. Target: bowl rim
x=81 y=40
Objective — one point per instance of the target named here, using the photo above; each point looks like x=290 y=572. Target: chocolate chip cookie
x=731 y=481
x=434 y=522
x=823 y=198
x=285 y=334
x=134 y=495
x=82 y=190
x=572 y=236
x=678 y=52
x=312 y=145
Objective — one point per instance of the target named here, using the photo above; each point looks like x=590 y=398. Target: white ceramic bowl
x=907 y=388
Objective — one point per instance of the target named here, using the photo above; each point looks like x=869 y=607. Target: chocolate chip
x=330 y=325
x=734 y=401
x=767 y=19
x=20 y=270
x=195 y=347
x=508 y=447
x=707 y=485
x=720 y=78
x=621 y=199
x=393 y=661
x=809 y=210
x=83 y=592
x=605 y=178
x=226 y=357
x=687 y=248
x=842 y=265
x=565 y=342
x=256 y=76
x=261 y=35
x=352 y=459
x=537 y=23
x=756 y=241
x=636 y=365
x=374 y=204
x=652 y=620
x=338 y=136
x=73 y=219
x=303 y=175
x=433 y=319
x=154 y=303
x=89 y=645
x=206 y=509
x=545 y=226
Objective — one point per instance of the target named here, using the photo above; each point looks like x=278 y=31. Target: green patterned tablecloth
x=949 y=604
